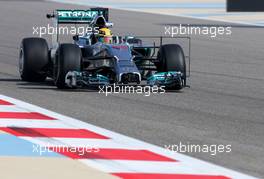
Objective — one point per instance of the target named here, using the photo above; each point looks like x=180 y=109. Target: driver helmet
x=105 y=35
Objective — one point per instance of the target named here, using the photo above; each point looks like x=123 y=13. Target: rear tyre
x=171 y=58
x=69 y=59
x=33 y=58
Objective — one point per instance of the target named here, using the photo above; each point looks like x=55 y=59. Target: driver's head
x=105 y=35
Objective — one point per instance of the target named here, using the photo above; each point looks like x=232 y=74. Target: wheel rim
x=21 y=61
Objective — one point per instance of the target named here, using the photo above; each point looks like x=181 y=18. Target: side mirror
x=50 y=16
x=109 y=24
x=75 y=37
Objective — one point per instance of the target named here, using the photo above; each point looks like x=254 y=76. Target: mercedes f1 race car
x=89 y=61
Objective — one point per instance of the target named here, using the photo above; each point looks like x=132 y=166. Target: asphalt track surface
x=225 y=104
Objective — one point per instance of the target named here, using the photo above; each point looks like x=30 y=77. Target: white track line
x=30 y=123
x=12 y=108
x=127 y=166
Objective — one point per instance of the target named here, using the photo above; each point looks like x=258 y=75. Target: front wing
x=170 y=80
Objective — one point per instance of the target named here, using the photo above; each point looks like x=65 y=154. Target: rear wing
x=68 y=16
x=63 y=16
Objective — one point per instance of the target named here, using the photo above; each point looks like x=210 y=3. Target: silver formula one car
x=88 y=61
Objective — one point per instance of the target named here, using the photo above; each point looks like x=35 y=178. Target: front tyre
x=69 y=59
x=171 y=58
